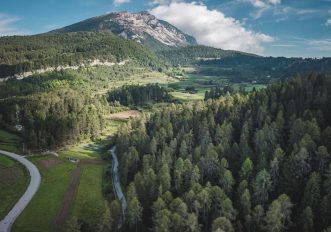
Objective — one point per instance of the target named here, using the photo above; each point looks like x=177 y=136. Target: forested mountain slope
x=259 y=162
x=240 y=65
x=26 y=53
x=194 y=54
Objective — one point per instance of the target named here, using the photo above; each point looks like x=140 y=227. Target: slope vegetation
x=20 y=54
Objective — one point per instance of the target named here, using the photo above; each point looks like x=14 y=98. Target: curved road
x=116 y=181
x=8 y=221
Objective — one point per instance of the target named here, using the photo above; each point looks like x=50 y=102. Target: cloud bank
x=7 y=25
x=211 y=27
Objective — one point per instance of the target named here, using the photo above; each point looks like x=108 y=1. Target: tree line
x=139 y=95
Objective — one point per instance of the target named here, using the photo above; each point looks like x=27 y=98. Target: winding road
x=8 y=221
x=116 y=181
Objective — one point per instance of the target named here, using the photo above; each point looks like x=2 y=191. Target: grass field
x=40 y=213
x=203 y=83
x=81 y=151
x=13 y=183
x=188 y=96
x=89 y=203
x=141 y=77
x=9 y=142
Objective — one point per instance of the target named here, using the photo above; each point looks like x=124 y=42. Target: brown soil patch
x=49 y=163
x=68 y=199
x=125 y=115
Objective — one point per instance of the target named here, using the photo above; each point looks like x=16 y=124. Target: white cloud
x=163 y=2
x=118 y=2
x=211 y=27
x=328 y=22
x=264 y=3
x=7 y=25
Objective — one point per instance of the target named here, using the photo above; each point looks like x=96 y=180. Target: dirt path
x=69 y=197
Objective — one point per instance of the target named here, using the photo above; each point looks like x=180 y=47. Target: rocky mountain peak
x=141 y=27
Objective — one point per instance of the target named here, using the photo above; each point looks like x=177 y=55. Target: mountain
x=141 y=27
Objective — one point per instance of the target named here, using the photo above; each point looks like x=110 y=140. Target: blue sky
x=267 y=27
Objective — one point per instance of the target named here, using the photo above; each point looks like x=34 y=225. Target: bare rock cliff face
x=141 y=27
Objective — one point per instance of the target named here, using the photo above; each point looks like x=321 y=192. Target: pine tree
x=222 y=224
x=262 y=186
x=307 y=220
x=134 y=212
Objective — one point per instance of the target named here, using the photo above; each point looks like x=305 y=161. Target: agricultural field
x=202 y=83
x=14 y=180
x=40 y=213
x=104 y=79
x=89 y=204
x=65 y=190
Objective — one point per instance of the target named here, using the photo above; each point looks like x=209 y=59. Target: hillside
x=257 y=162
x=25 y=53
x=141 y=27
x=237 y=65
x=195 y=54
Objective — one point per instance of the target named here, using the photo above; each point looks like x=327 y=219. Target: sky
x=291 y=28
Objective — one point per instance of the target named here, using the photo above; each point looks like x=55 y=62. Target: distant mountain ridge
x=141 y=27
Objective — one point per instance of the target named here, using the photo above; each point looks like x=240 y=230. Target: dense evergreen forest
x=62 y=108
x=26 y=53
x=52 y=120
x=217 y=92
x=256 y=162
x=137 y=95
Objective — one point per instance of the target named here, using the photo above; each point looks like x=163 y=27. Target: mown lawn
x=89 y=204
x=14 y=180
x=41 y=211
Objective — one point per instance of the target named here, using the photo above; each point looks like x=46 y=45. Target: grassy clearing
x=249 y=87
x=40 y=213
x=14 y=180
x=141 y=77
x=89 y=204
x=188 y=96
x=203 y=83
x=113 y=126
x=150 y=77
x=81 y=151
x=9 y=142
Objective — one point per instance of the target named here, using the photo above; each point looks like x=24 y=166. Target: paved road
x=116 y=181
x=8 y=221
